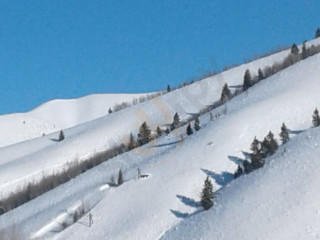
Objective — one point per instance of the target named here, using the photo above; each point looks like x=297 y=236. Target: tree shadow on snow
x=166 y=144
x=246 y=154
x=296 y=131
x=236 y=160
x=235 y=86
x=189 y=201
x=221 y=179
x=184 y=215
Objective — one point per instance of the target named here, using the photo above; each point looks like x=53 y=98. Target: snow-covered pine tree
x=317 y=33
x=189 y=130
x=269 y=145
x=132 y=143
x=159 y=131
x=247 y=80
x=294 y=49
x=120 y=177
x=144 y=135
x=260 y=74
x=316 y=118
x=61 y=136
x=225 y=94
x=284 y=134
x=176 y=121
x=207 y=194
x=197 y=124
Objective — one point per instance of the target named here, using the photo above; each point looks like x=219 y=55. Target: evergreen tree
x=159 y=131
x=260 y=74
x=284 y=134
x=225 y=94
x=120 y=177
x=304 y=51
x=109 y=111
x=189 y=130
x=167 y=131
x=317 y=33
x=256 y=156
x=197 y=124
x=144 y=135
x=316 y=118
x=176 y=121
x=294 y=49
x=246 y=80
x=132 y=143
x=168 y=88
x=207 y=195
x=269 y=145
x=238 y=173
x=61 y=136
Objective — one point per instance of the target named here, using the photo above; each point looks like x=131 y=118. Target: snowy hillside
x=57 y=114
x=279 y=201
x=148 y=208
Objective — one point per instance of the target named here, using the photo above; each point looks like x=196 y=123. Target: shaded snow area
x=279 y=201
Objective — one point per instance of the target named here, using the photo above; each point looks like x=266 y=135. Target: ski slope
x=57 y=114
x=149 y=208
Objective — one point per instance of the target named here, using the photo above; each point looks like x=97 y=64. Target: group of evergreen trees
x=261 y=150
x=196 y=126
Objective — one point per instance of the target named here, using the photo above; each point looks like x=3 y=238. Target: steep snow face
x=279 y=201
x=57 y=114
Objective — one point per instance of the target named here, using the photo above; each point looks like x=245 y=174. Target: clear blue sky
x=71 y=48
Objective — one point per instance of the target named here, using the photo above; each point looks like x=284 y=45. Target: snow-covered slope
x=146 y=209
x=57 y=114
x=279 y=201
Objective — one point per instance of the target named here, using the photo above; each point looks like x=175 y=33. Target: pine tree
x=109 y=111
x=120 y=177
x=238 y=173
x=294 y=49
x=167 y=131
x=316 y=118
x=284 y=134
x=246 y=80
x=207 y=195
x=144 y=135
x=159 y=131
x=317 y=33
x=304 y=51
x=61 y=136
x=176 y=121
x=256 y=156
x=260 y=74
x=168 y=88
x=132 y=143
x=197 y=126
x=189 y=130
x=225 y=94
x=269 y=145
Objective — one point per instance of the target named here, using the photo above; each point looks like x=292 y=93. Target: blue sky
x=68 y=49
